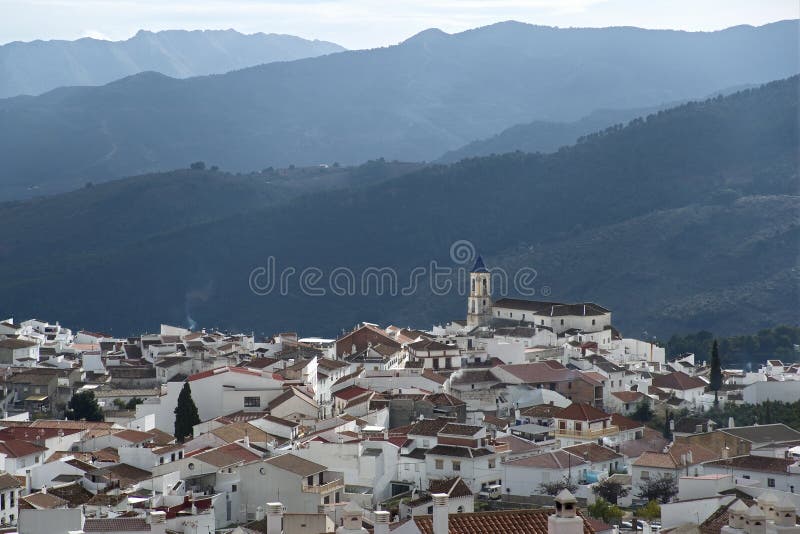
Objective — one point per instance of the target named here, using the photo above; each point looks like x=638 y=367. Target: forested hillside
x=684 y=220
x=412 y=102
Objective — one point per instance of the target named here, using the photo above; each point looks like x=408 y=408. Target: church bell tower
x=479 y=303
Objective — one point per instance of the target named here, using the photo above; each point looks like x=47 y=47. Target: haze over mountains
x=688 y=219
x=32 y=68
x=415 y=101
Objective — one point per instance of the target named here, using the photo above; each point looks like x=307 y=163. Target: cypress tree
x=186 y=415
x=716 y=372
x=666 y=431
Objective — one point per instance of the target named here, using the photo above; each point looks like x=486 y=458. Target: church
x=556 y=316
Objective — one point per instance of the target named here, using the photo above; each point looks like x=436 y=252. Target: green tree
x=667 y=431
x=643 y=411
x=131 y=405
x=554 y=488
x=605 y=511
x=610 y=490
x=716 y=372
x=662 y=488
x=650 y=511
x=186 y=415
x=83 y=406
x=198 y=166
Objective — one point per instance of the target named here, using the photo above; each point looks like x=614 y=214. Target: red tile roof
x=16 y=448
x=580 y=411
x=628 y=396
x=222 y=370
x=506 y=521
x=226 y=455
x=677 y=380
x=625 y=423
x=350 y=392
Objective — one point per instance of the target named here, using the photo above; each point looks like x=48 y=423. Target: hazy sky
x=366 y=23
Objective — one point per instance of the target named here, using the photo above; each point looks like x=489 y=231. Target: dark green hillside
x=414 y=101
x=681 y=221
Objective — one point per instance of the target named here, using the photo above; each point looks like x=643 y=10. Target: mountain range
x=32 y=68
x=683 y=220
x=415 y=101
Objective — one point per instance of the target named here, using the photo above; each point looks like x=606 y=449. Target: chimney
x=158 y=522
x=274 y=518
x=440 y=513
x=565 y=520
x=755 y=521
x=725 y=452
x=259 y=513
x=381 y=522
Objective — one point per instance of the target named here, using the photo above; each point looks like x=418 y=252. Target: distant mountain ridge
x=411 y=102
x=687 y=219
x=544 y=136
x=35 y=67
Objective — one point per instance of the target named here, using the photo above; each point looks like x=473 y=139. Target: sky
x=367 y=23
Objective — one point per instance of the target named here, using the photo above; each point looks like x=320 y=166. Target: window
x=492 y=463
x=439 y=464
x=2 y=501
x=771 y=482
x=592 y=322
x=161 y=460
x=252 y=402
x=562 y=322
x=233 y=488
x=456 y=465
x=645 y=475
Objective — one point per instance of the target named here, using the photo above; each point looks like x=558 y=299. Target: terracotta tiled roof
x=8 y=481
x=540 y=410
x=656 y=459
x=74 y=494
x=443 y=399
x=133 y=436
x=226 y=455
x=593 y=452
x=764 y=464
x=506 y=522
x=16 y=448
x=579 y=411
x=625 y=423
x=297 y=465
x=628 y=396
x=350 y=392
x=677 y=380
x=517 y=445
x=44 y=501
x=236 y=431
x=548 y=460
x=427 y=427
x=119 y=524
x=454 y=487
x=458 y=429
x=222 y=370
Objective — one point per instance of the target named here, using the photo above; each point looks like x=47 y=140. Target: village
x=525 y=416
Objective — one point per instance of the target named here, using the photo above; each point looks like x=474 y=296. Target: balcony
x=587 y=433
x=328 y=487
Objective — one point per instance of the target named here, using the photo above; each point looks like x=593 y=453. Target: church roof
x=479 y=266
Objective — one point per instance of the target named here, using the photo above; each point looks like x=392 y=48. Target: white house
x=216 y=392
x=782 y=474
